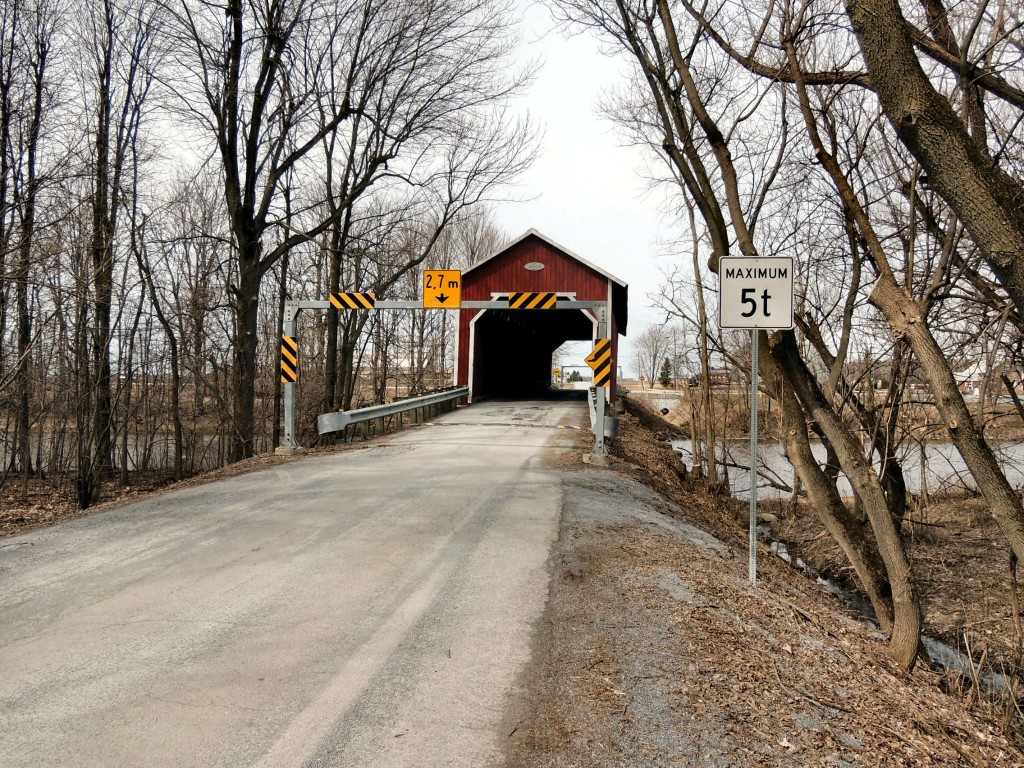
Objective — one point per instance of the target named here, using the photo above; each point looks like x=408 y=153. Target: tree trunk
x=907 y=321
x=332 y=381
x=27 y=223
x=1013 y=395
x=906 y=631
x=695 y=436
x=1004 y=503
x=128 y=365
x=6 y=215
x=104 y=213
x=103 y=282
x=172 y=342
x=706 y=406
x=84 y=392
x=825 y=499
x=24 y=385
x=243 y=371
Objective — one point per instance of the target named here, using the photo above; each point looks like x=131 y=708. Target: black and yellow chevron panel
x=289 y=359
x=353 y=300
x=532 y=300
x=601 y=361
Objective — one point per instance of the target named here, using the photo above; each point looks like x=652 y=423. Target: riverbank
x=970 y=594
x=1001 y=421
x=655 y=651
x=961 y=563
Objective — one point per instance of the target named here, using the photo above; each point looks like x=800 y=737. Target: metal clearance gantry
x=600 y=359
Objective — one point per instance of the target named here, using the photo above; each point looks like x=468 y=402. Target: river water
x=157 y=453
x=944 y=469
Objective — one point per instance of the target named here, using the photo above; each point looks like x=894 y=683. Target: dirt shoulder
x=655 y=651
x=960 y=559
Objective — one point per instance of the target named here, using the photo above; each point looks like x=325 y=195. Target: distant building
x=720 y=377
x=970 y=379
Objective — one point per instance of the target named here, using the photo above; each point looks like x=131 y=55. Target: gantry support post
x=599 y=394
x=288 y=442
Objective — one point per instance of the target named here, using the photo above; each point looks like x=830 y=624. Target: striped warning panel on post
x=289 y=360
x=532 y=300
x=601 y=361
x=353 y=300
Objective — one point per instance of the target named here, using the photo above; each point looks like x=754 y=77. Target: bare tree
x=909 y=319
x=985 y=197
x=119 y=40
x=680 y=297
x=277 y=81
x=684 y=103
x=26 y=93
x=396 y=229
x=649 y=348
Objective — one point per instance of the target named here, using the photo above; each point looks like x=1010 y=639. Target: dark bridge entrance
x=507 y=353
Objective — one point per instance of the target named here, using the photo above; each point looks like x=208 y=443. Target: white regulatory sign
x=755 y=293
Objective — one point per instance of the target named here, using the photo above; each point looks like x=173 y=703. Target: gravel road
x=468 y=594
x=370 y=608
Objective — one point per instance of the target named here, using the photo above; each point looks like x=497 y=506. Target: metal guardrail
x=336 y=422
x=611 y=423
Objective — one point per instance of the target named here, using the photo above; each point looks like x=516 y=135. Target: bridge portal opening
x=513 y=350
x=573 y=371
x=508 y=353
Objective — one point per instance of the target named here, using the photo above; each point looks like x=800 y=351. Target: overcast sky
x=586 y=191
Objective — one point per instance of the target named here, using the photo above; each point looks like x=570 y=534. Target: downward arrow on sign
x=442 y=298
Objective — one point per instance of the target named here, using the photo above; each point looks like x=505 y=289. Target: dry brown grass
x=656 y=652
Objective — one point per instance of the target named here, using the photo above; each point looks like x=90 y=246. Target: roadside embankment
x=656 y=651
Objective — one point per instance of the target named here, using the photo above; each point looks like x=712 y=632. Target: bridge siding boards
x=507 y=272
x=563 y=273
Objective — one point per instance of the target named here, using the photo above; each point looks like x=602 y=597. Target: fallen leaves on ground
x=656 y=651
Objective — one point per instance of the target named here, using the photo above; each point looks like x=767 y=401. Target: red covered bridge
x=507 y=353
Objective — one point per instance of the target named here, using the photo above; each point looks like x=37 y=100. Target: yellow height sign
x=601 y=361
x=289 y=360
x=442 y=288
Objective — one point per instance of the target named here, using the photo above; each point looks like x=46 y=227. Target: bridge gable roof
x=508 y=247
x=564 y=271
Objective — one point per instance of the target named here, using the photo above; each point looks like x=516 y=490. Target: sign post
x=755 y=294
x=600 y=360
